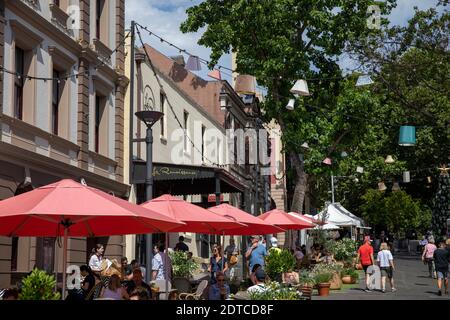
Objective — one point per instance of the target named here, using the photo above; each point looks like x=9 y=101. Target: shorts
x=387 y=272
x=365 y=268
x=442 y=274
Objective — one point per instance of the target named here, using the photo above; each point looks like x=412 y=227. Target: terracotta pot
x=324 y=289
x=307 y=291
x=347 y=280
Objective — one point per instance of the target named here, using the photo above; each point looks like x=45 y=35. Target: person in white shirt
x=260 y=285
x=95 y=262
x=386 y=264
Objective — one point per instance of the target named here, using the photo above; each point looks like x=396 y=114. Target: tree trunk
x=300 y=185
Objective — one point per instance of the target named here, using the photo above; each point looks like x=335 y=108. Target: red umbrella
x=303 y=218
x=197 y=219
x=254 y=225
x=284 y=220
x=71 y=209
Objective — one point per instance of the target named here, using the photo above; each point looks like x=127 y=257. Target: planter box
x=336 y=282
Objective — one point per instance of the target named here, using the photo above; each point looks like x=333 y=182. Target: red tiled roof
x=204 y=93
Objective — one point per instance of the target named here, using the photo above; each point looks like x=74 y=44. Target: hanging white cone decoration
x=305 y=145
x=389 y=160
x=406 y=177
x=381 y=186
x=193 y=64
x=291 y=105
x=301 y=88
x=364 y=80
x=396 y=186
x=359 y=169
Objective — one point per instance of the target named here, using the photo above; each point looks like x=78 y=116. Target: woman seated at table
x=315 y=254
x=114 y=291
x=327 y=257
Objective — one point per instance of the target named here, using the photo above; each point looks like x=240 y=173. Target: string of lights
x=67 y=75
x=218 y=66
x=186 y=136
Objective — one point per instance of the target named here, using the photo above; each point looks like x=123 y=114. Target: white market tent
x=336 y=214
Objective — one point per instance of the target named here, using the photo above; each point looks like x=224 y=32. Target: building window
x=97 y=123
x=186 y=130
x=100 y=126
x=56 y=98
x=203 y=143
x=162 y=99
x=98 y=20
x=14 y=251
x=218 y=151
x=19 y=83
x=45 y=254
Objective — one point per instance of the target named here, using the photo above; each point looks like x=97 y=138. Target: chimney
x=179 y=59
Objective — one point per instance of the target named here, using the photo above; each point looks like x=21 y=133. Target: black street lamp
x=149 y=118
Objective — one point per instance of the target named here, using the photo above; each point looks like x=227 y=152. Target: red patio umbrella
x=304 y=218
x=253 y=224
x=68 y=208
x=196 y=219
x=284 y=220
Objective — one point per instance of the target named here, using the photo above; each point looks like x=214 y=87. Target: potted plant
x=276 y=291
x=346 y=276
x=280 y=265
x=334 y=269
x=39 y=286
x=182 y=269
x=343 y=250
x=307 y=282
x=323 y=283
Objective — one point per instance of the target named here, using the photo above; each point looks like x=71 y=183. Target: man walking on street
x=441 y=263
x=365 y=256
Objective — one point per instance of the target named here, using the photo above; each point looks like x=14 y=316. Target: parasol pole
x=223 y=248
x=166 y=266
x=66 y=231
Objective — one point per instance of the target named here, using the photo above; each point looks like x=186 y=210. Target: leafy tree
x=397 y=212
x=280 y=41
x=441 y=210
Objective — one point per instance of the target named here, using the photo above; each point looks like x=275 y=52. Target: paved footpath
x=411 y=280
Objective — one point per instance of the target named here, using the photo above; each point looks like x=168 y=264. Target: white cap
x=274 y=242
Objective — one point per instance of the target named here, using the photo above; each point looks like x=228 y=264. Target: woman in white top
x=114 y=291
x=386 y=264
x=95 y=262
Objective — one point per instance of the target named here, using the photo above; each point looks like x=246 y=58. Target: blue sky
x=164 y=17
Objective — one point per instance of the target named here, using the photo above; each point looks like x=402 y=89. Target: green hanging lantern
x=407 y=136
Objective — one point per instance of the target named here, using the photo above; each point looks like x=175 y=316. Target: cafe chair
x=198 y=294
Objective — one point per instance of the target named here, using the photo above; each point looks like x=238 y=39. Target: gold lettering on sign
x=169 y=171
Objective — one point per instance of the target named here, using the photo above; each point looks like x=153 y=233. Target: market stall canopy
x=284 y=220
x=196 y=219
x=336 y=214
x=253 y=224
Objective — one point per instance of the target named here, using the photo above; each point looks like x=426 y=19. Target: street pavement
x=411 y=280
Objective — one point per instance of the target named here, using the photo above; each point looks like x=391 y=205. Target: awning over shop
x=186 y=180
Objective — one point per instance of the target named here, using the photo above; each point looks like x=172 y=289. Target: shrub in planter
x=349 y=276
x=181 y=265
x=39 y=286
x=323 y=283
x=276 y=291
x=279 y=262
x=343 y=250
